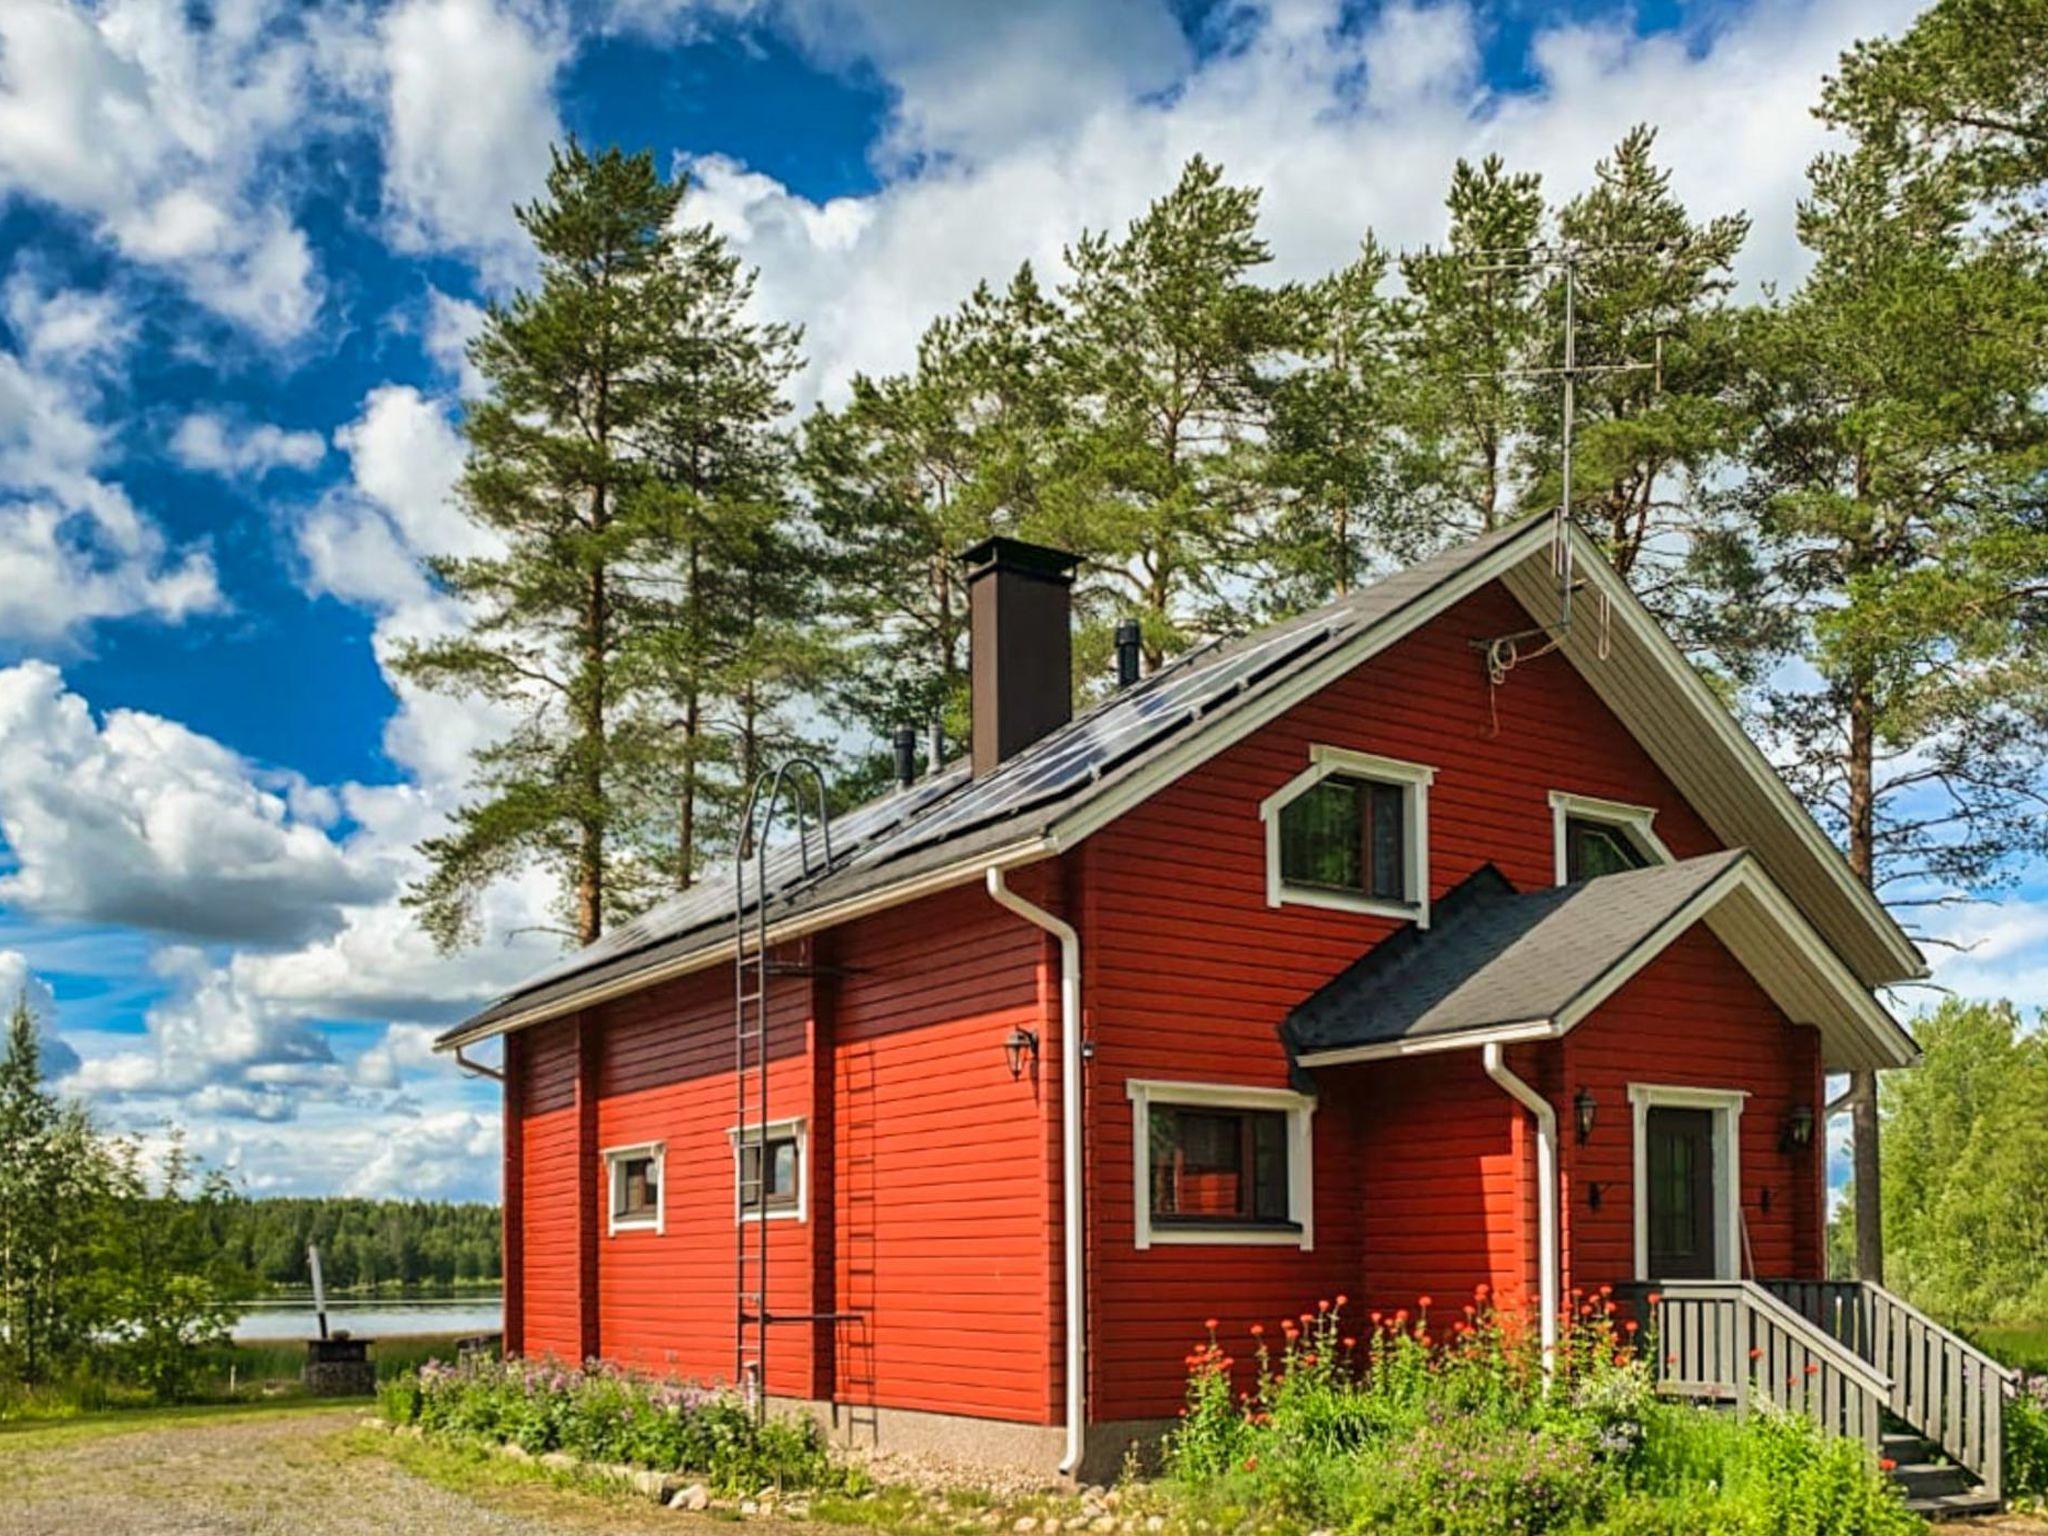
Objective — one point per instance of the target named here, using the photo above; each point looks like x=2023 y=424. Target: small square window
x=768 y=1172
x=1226 y=1166
x=635 y=1188
x=779 y=1153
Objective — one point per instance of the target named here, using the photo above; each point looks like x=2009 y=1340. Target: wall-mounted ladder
x=797 y=787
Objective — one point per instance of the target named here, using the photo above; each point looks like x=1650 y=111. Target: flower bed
x=1421 y=1422
x=605 y=1415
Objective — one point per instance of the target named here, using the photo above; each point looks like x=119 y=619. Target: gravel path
x=299 y=1474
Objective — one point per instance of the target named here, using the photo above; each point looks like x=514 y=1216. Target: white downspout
x=1070 y=1151
x=1546 y=1192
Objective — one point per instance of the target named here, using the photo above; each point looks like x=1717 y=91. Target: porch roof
x=1501 y=965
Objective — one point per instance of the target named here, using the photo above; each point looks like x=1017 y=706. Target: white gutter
x=1071 y=1194
x=1547 y=1277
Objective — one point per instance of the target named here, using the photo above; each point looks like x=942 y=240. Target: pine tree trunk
x=590 y=850
x=1869 y=1185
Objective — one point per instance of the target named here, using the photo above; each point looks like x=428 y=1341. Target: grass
x=26 y=1434
x=251 y=1373
x=2022 y=1344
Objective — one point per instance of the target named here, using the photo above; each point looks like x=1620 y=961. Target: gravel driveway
x=298 y=1474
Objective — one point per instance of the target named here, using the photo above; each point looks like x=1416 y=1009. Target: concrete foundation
x=994 y=1443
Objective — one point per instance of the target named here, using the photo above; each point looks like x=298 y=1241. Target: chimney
x=905 y=744
x=1019 y=619
x=1128 y=652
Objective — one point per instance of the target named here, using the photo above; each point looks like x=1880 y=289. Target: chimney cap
x=1001 y=552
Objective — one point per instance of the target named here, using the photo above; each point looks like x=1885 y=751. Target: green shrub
x=2026 y=1441
x=604 y=1414
x=1434 y=1427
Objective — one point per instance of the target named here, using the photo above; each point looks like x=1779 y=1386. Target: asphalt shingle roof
x=1494 y=956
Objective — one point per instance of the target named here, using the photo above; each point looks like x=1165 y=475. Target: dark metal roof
x=950 y=817
x=1494 y=956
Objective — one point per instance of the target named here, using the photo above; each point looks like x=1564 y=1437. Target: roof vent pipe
x=1128 y=654
x=935 y=746
x=1019 y=611
x=906 y=756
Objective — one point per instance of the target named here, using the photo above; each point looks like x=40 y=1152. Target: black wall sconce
x=1798 y=1129
x=1583 y=1109
x=1766 y=1200
x=1021 y=1044
x=1593 y=1195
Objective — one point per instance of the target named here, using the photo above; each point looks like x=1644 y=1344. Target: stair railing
x=1733 y=1341
x=1946 y=1388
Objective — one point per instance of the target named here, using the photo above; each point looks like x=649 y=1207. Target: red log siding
x=666 y=1299
x=941 y=1209
x=551 y=1307
x=1446 y=1183
x=1692 y=1018
x=1191 y=974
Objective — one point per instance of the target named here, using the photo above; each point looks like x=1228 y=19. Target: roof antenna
x=935 y=746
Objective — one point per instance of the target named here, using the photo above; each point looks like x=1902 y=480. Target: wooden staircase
x=1857 y=1360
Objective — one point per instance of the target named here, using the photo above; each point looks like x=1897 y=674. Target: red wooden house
x=1415 y=943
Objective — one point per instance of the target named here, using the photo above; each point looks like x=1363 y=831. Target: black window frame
x=1267 y=1193
x=1382 y=806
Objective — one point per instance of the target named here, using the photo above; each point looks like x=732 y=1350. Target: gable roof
x=948 y=829
x=1499 y=965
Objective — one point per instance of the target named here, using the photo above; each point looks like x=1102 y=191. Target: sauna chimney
x=1019 y=623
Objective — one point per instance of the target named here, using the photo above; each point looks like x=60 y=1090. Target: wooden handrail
x=1949 y=1390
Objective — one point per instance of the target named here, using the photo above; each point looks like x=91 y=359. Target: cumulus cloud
x=74 y=549
x=154 y=121
x=208 y=441
x=135 y=819
x=469 y=116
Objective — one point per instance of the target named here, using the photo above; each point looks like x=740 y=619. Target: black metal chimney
x=906 y=756
x=1128 y=654
x=1020 y=621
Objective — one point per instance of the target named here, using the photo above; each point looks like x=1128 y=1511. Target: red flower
x=1350 y=1343
x=1423 y=1302
x=1656 y=1298
x=1342 y=1299
x=1629 y=1326
x=1258 y=1330
x=1812 y=1369
x=1886 y=1464
x=1322 y=1306
x=1756 y=1354
x=1482 y=1290
x=1210 y=1324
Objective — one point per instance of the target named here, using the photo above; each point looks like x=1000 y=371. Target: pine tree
x=557 y=471
x=911 y=471
x=1897 y=468
x=1166 y=359
x=727 y=583
x=1478 y=325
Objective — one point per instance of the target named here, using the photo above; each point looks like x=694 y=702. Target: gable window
x=1351 y=831
x=1218 y=1164
x=633 y=1177
x=769 y=1173
x=1602 y=837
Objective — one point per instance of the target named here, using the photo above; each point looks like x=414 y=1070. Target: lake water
x=371 y=1318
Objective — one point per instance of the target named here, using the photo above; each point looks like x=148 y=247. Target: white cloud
x=452 y=324
x=208 y=441
x=1995 y=950
x=73 y=548
x=469 y=116
x=1345 y=125
x=156 y=124
x=138 y=820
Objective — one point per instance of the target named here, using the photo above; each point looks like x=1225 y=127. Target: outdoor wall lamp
x=1798 y=1130
x=1583 y=1108
x=1593 y=1195
x=1022 y=1043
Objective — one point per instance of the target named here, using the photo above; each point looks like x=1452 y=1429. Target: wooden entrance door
x=1679 y=1167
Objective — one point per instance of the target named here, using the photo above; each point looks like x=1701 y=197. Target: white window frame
x=795 y=1128
x=1300 y=1110
x=615 y=1160
x=1631 y=821
x=1726 y=1104
x=1324 y=762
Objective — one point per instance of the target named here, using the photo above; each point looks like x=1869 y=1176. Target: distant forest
x=363 y=1243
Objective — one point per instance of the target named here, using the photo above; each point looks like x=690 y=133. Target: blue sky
x=241 y=245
